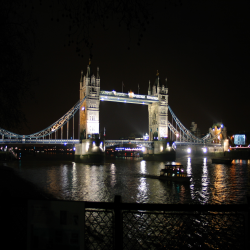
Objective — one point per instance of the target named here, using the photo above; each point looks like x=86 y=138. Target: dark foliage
x=83 y=16
x=16 y=46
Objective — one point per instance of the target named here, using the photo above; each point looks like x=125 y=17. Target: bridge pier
x=161 y=151
x=90 y=151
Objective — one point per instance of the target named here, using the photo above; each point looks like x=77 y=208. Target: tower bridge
x=87 y=108
x=157 y=101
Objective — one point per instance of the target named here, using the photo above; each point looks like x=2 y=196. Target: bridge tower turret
x=149 y=89
x=158 y=112
x=89 y=110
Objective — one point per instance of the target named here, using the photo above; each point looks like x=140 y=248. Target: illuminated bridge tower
x=91 y=149
x=158 y=112
x=89 y=111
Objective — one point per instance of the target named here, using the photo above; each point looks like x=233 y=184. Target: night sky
x=201 y=47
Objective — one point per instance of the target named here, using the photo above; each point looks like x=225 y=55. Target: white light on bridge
x=204 y=150
x=146 y=137
x=189 y=150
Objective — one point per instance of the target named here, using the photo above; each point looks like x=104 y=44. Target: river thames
x=132 y=179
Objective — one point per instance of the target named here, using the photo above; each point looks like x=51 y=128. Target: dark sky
x=201 y=47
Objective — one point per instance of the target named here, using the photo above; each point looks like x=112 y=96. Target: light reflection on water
x=133 y=180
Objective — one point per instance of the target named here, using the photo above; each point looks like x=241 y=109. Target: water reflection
x=219 y=184
x=210 y=183
x=241 y=162
x=189 y=173
x=189 y=167
x=204 y=194
x=143 y=167
x=142 y=195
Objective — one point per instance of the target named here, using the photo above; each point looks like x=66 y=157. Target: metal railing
x=117 y=225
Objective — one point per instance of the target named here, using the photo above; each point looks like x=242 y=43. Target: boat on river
x=174 y=173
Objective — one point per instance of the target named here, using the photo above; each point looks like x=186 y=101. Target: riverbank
x=15 y=193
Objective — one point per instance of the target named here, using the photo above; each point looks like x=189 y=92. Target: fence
x=118 y=225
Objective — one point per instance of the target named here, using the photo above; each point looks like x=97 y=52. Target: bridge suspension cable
x=49 y=130
x=189 y=136
x=6 y=133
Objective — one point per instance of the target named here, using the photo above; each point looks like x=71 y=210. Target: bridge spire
x=149 y=89
x=81 y=79
x=97 y=75
x=88 y=69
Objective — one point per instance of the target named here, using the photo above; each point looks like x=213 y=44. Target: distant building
x=219 y=132
x=195 y=130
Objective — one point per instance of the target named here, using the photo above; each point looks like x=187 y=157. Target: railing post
x=118 y=233
x=247 y=223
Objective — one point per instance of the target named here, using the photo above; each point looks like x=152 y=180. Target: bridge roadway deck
x=177 y=143
x=108 y=143
x=39 y=141
x=70 y=141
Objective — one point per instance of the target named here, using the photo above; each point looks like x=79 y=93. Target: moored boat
x=174 y=173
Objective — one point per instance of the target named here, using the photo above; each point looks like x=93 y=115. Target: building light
x=131 y=94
